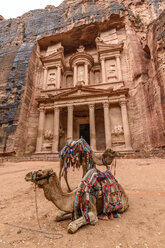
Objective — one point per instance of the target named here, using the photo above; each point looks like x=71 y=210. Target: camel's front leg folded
x=61 y=215
x=76 y=224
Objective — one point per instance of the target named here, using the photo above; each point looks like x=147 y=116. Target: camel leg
x=61 y=215
x=76 y=224
x=124 y=200
x=66 y=180
x=61 y=167
x=84 y=166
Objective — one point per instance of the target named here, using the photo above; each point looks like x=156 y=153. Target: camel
x=105 y=159
x=49 y=182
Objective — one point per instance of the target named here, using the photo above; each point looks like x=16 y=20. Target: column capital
x=42 y=108
x=117 y=56
x=56 y=108
x=102 y=59
x=59 y=66
x=91 y=106
x=123 y=102
x=106 y=104
x=70 y=107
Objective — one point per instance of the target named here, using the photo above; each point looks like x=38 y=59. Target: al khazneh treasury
x=91 y=69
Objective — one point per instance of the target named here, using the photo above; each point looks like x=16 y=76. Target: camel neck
x=54 y=193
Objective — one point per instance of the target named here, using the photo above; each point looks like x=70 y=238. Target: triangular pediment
x=56 y=56
x=80 y=92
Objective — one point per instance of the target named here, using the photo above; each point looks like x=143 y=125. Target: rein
x=103 y=160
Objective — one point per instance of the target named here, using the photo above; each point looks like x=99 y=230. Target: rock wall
x=144 y=23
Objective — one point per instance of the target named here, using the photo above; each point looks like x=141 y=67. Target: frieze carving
x=118 y=130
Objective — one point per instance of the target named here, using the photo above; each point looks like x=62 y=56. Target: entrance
x=85 y=132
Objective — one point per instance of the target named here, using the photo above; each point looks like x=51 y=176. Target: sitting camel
x=48 y=180
x=78 y=153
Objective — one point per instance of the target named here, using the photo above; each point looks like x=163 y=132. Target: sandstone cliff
x=143 y=23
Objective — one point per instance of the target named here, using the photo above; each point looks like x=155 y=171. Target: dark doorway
x=84 y=132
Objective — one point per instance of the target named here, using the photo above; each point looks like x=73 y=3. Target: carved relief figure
x=80 y=73
x=48 y=135
x=118 y=130
x=111 y=70
x=51 y=81
x=52 y=78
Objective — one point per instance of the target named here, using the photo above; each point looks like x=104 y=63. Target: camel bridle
x=37 y=178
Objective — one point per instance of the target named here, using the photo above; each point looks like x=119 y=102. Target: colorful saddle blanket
x=73 y=151
x=90 y=184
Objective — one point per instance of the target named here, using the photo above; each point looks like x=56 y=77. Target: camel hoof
x=72 y=228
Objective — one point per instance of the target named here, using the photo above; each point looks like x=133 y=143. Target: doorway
x=85 y=132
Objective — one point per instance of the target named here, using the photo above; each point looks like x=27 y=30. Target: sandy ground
x=142 y=226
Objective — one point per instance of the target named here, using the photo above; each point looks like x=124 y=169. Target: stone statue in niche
x=118 y=130
x=80 y=73
x=61 y=132
x=111 y=71
x=48 y=135
x=52 y=78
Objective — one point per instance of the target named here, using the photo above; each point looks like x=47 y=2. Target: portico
x=80 y=106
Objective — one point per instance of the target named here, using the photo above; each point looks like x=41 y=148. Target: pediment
x=56 y=56
x=80 y=92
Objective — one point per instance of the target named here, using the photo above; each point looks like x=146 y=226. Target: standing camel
x=78 y=153
x=49 y=182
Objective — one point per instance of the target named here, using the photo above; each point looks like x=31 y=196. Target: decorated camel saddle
x=102 y=185
x=73 y=151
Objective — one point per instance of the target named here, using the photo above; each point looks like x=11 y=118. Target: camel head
x=109 y=155
x=39 y=177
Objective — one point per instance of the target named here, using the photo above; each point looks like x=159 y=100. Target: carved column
x=108 y=138
x=45 y=78
x=70 y=123
x=126 y=129
x=40 y=129
x=58 y=77
x=75 y=75
x=56 y=130
x=92 y=126
x=103 y=70
x=86 y=74
x=118 y=64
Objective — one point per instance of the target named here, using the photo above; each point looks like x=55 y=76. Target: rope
x=34 y=230
x=36 y=207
